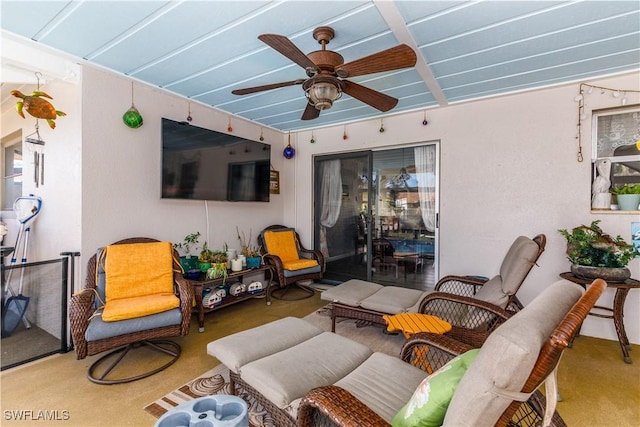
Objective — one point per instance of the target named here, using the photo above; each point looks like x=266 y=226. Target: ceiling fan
x=326 y=72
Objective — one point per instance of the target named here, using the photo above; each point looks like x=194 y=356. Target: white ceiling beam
x=395 y=21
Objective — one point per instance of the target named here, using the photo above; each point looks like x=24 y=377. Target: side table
x=198 y=287
x=412 y=323
x=622 y=289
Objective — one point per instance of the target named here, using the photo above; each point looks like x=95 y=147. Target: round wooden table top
x=412 y=323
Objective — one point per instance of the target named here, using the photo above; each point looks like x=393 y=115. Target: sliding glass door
x=342 y=214
x=376 y=215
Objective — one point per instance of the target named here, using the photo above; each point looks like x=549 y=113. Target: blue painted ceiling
x=466 y=50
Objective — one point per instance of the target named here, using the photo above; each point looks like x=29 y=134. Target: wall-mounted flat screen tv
x=203 y=164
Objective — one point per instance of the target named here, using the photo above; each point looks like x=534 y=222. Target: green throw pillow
x=428 y=405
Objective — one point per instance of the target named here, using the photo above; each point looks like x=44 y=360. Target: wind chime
x=40 y=108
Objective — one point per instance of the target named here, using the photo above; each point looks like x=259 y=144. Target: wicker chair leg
x=167 y=347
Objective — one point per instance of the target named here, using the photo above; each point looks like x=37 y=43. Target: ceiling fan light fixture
x=322 y=94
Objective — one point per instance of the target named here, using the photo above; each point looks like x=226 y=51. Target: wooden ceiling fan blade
x=377 y=100
x=254 y=89
x=288 y=49
x=401 y=56
x=310 y=112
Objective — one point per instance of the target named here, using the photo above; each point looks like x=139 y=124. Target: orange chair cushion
x=130 y=308
x=282 y=244
x=138 y=269
x=299 y=264
x=138 y=280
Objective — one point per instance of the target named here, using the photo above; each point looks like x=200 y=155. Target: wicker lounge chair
x=291 y=262
x=467 y=302
x=355 y=386
x=92 y=334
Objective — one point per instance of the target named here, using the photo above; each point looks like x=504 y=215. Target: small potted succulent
x=595 y=254
x=253 y=256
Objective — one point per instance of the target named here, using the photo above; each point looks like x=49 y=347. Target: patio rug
x=216 y=380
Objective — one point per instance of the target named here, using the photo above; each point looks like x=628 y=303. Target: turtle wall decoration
x=37 y=106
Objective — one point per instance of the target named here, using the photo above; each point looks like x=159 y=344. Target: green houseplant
x=188 y=261
x=204 y=260
x=595 y=254
x=627 y=196
x=218 y=266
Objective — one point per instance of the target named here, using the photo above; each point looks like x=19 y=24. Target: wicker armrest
x=429 y=351
x=333 y=405
x=185 y=293
x=313 y=254
x=81 y=307
x=460 y=285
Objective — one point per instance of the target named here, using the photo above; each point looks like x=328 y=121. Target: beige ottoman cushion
x=394 y=299
x=289 y=374
x=351 y=292
x=235 y=351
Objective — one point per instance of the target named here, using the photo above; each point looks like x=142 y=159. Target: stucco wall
x=508 y=168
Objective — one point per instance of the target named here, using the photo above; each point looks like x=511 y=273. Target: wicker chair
x=332 y=405
x=474 y=306
x=82 y=311
x=286 y=278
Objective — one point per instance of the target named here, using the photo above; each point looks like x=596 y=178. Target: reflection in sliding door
x=376 y=215
x=342 y=194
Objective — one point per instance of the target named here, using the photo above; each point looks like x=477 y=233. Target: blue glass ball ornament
x=289 y=152
x=132 y=118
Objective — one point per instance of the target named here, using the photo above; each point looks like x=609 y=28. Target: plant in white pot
x=595 y=254
x=628 y=196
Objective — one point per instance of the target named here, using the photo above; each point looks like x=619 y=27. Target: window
x=12 y=176
x=616 y=137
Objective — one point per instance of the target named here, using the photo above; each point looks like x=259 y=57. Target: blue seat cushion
x=293 y=273
x=99 y=329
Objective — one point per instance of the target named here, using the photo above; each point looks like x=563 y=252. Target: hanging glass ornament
x=261 y=135
x=189 y=118
x=425 y=122
x=381 y=126
x=313 y=140
x=132 y=117
x=229 y=128
x=289 y=151
x=344 y=134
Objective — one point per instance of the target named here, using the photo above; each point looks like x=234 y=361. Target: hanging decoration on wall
x=261 y=135
x=424 y=121
x=381 y=130
x=344 y=133
x=229 y=128
x=36 y=105
x=189 y=118
x=313 y=140
x=587 y=89
x=289 y=151
x=132 y=117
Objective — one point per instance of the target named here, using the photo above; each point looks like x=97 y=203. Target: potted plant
x=188 y=261
x=595 y=254
x=204 y=260
x=218 y=266
x=627 y=196
x=253 y=256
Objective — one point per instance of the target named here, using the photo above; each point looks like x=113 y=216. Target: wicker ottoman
x=368 y=301
x=280 y=362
